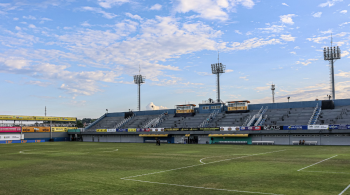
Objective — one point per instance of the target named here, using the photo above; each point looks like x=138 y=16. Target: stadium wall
x=56 y=136
x=342 y=102
x=113 y=138
x=286 y=105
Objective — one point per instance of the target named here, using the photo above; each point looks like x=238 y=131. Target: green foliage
x=96 y=168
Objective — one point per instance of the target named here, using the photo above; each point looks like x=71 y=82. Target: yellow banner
x=60 y=129
x=35 y=129
x=101 y=130
x=36 y=118
x=131 y=130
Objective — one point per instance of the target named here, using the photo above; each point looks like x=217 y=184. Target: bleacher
x=291 y=116
x=338 y=115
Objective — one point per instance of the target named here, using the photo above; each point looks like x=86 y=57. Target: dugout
x=230 y=139
x=152 y=138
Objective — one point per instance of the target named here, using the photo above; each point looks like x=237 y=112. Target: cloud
x=229 y=70
x=238 y=32
x=136 y=17
x=287 y=37
x=318 y=39
x=343 y=74
x=86 y=24
x=296 y=47
x=151 y=106
x=258 y=89
x=287 y=19
x=329 y=3
x=99 y=11
x=211 y=9
x=345 y=23
x=344 y=53
x=317 y=15
x=344 y=11
x=285 y=4
x=39 y=83
x=203 y=73
x=32 y=26
x=254 y=43
x=18 y=28
x=244 y=78
x=29 y=17
x=272 y=29
x=156 y=7
x=110 y=3
x=293 y=52
x=307 y=62
x=329 y=31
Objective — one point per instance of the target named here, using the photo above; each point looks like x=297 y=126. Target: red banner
x=10 y=129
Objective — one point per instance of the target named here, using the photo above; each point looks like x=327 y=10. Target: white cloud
x=344 y=11
x=345 y=23
x=43 y=20
x=318 y=39
x=99 y=11
x=29 y=17
x=263 y=88
x=329 y=31
x=287 y=18
x=307 y=62
x=285 y=4
x=111 y=3
x=329 y=3
x=136 y=17
x=203 y=73
x=317 y=15
x=18 y=28
x=151 y=106
x=344 y=53
x=287 y=38
x=343 y=74
x=39 y=83
x=293 y=52
x=86 y=24
x=32 y=26
x=244 y=78
x=296 y=47
x=238 y=32
x=156 y=7
x=254 y=43
x=229 y=70
x=211 y=9
x=272 y=29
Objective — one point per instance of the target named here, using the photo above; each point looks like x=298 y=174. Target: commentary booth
x=237 y=106
x=185 y=110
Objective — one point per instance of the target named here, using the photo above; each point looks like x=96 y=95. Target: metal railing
x=123 y=122
x=210 y=118
x=313 y=114
x=95 y=122
x=156 y=121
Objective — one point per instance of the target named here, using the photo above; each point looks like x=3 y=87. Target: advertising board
x=111 y=130
x=316 y=127
x=10 y=129
x=35 y=118
x=295 y=127
x=157 y=129
x=131 y=130
x=11 y=137
x=253 y=128
x=35 y=129
x=229 y=128
x=59 y=129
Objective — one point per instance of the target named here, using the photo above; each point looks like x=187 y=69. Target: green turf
x=97 y=168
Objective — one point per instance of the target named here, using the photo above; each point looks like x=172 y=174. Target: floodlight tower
x=218 y=69
x=139 y=79
x=332 y=54
x=273 y=92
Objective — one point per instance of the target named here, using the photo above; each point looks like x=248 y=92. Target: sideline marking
x=127 y=178
x=327 y=172
x=317 y=163
x=344 y=190
x=111 y=151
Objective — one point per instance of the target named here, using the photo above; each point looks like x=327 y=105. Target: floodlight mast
x=218 y=69
x=273 y=92
x=139 y=79
x=332 y=54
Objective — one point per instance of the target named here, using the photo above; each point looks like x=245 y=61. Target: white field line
x=327 y=172
x=186 y=186
x=111 y=151
x=344 y=190
x=127 y=178
x=317 y=163
x=221 y=156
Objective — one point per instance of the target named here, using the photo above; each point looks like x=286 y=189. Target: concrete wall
x=200 y=108
x=57 y=136
x=113 y=138
x=342 y=102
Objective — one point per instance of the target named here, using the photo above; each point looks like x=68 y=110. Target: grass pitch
x=123 y=168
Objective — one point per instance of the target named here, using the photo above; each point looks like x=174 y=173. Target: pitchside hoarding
x=317 y=127
x=229 y=128
x=35 y=129
x=35 y=118
x=10 y=129
x=11 y=137
x=295 y=127
x=254 y=128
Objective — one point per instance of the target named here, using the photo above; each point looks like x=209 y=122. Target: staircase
x=315 y=115
x=209 y=119
x=123 y=122
x=156 y=121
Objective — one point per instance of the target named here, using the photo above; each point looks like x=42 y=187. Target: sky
x=78 y=58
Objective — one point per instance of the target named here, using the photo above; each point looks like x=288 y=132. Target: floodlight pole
x=139 y=79
x=273 y=92
x=218 y=69
x=332 y=54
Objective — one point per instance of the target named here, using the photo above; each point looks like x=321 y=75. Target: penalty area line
x=344 y=190
x=316 y=163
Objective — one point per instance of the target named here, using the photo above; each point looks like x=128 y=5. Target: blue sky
x=78 y=57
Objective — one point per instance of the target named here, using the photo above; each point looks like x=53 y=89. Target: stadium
x=82 y=59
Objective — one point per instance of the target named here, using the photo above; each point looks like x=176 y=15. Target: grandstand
x=320 y=122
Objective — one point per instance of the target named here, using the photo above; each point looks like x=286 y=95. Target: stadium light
x=273 y=92
x=288 y=98
x=332 y=54
x=139 y=79
x=218 y=69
